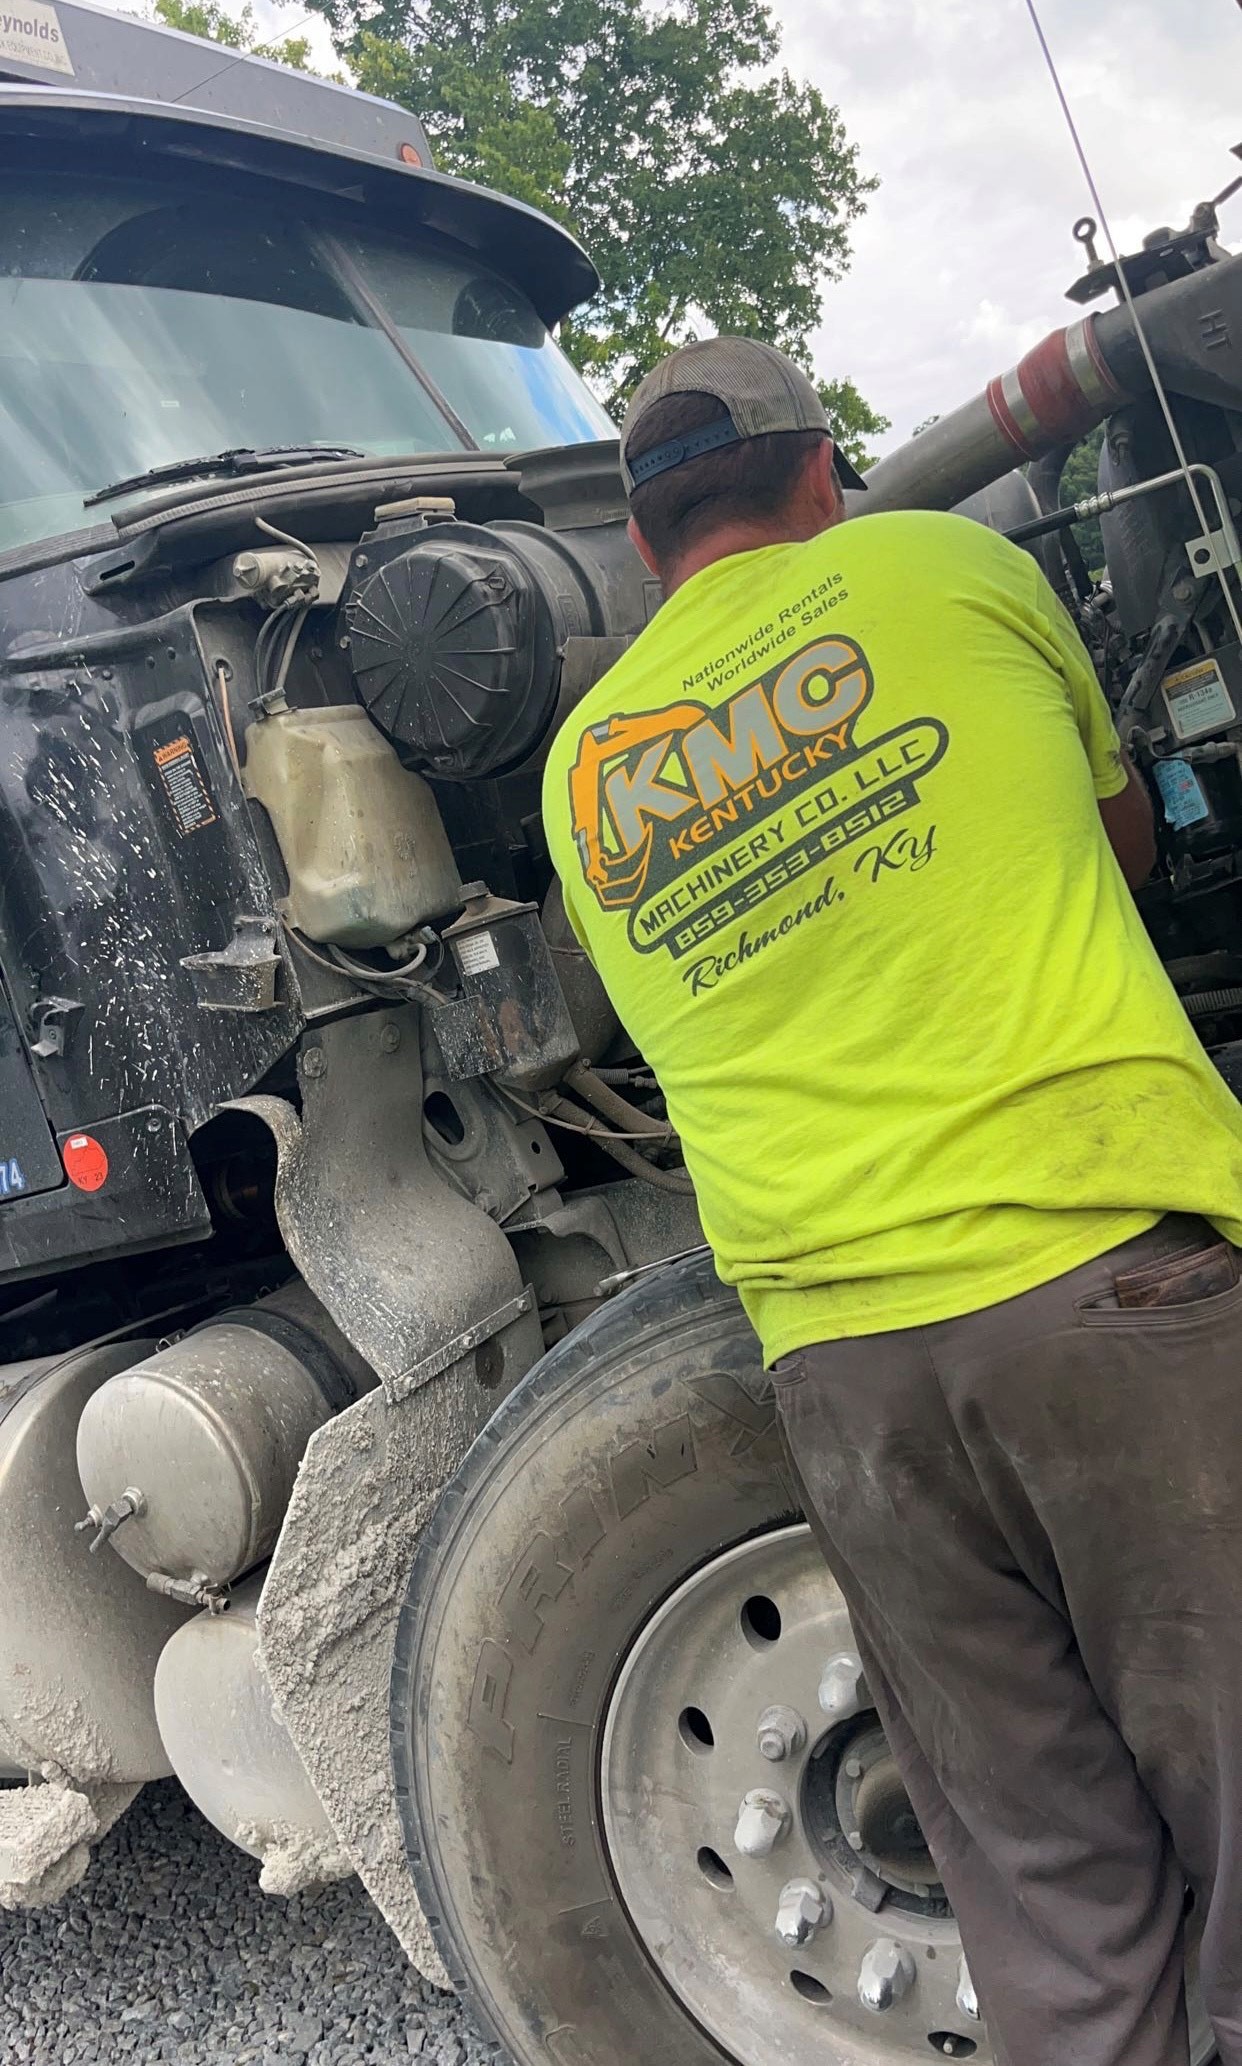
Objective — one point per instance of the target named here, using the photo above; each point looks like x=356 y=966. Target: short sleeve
x=1088 y=701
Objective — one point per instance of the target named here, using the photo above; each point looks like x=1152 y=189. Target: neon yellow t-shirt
x=829 y=832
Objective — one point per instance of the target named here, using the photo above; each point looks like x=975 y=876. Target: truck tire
x=627 y=1730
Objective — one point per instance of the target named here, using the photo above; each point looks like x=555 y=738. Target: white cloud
x=964 y=256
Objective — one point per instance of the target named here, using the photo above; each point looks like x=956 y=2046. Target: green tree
x=713 y=191
x=1080 y=479
x=235 y=31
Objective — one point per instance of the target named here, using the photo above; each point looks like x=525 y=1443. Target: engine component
x=590 y=1007
x=78 y=1639
x=233 y=1754
x=364 y=849
x=209 y=1433
x=455 y=632
x=1066 y=385
x=277 y=575
x=511 y=1021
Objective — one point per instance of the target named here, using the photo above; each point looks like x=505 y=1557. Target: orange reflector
x=409 y=155
x=86 y=1161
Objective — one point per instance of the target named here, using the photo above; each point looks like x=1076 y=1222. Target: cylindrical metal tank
x=233 y=1754
x=203 y=1439
x=79 y=1637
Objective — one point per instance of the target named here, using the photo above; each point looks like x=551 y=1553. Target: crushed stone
x=167 y=1954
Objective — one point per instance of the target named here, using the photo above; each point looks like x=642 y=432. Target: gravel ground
x=168 y=1952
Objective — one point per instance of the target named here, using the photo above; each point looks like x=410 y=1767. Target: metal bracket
x=419 y=1374
x=1214 y=552
x=50 y=1020
x=242 y=976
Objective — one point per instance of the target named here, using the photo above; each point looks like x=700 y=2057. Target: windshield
x=140 y=325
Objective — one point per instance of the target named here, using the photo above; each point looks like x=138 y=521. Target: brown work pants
x=1035 y=1514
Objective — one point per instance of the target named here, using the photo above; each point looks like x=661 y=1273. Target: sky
x=962 y=260
x=964 y=256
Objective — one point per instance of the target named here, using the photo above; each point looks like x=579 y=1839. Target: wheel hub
x=888 y=1828
x=760 y=1833
x=761 y=1837
x=857 y=1813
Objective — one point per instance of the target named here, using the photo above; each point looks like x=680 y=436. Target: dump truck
x=379 y=1453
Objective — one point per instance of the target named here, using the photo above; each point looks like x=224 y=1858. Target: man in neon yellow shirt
x=847 y=833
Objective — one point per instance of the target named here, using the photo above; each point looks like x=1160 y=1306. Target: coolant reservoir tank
x=361 y=837
x=209 y=1432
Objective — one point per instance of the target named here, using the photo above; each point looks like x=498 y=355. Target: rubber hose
x=621 y=1151
x=619 y=1110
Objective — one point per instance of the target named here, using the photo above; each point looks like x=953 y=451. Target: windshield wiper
x=241 y=460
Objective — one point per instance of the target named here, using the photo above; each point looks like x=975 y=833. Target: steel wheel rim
x=681 y=1751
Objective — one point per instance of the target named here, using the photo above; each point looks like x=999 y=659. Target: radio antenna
x=1158 y=387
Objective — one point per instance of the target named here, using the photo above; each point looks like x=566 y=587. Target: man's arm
x=1120 y=792
x=1130 y=826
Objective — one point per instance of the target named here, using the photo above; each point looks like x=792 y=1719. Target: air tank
x=232 y=1753
x=188 y=1458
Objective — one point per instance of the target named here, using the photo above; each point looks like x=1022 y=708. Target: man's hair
x=746 y=482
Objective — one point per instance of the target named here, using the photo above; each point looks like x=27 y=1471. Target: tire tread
x=668 y=1295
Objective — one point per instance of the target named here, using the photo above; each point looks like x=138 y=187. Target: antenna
x=241 y=57
x=1158 y=387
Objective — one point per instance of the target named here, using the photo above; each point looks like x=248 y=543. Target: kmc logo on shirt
x=690 y=817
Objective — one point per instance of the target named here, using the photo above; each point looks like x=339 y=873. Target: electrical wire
x=362 y=972
x=1123 y=284
x=260 y=50
x=594 y=1129
x=618 y=1111
x=271 y=530
x=400 y=986
x=265 y=639
x=300 y=616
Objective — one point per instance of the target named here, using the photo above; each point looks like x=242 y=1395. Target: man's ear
x=642 y=548
x=821 y=484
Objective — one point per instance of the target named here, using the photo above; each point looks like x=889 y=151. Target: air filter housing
x=455 y=633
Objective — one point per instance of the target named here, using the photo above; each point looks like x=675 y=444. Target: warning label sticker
x=30 y=34
x=1197 y=700
x=185 y=785
x=476 y=952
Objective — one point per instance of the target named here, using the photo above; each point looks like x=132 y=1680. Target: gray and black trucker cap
x=759 y=391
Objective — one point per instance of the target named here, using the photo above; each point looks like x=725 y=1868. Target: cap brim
x=848 y=475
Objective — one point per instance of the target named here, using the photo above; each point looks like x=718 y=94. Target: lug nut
x=886 y=1974
x=762 y=1821
x=967 y=1999
x=804 y=1908
x=782 y=1733
x=840 y=1688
